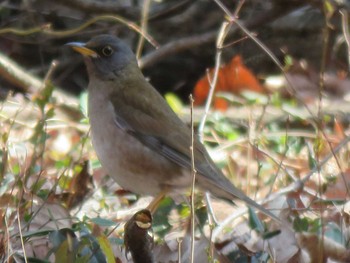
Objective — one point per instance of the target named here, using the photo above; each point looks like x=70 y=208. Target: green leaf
x=117 y=241
x=37 y=186
x=95 y=164
x=288 y=61
x=84 y=259
x=106 y=248
x=36 y=233
x=4 y=137
x=298 y=113
x=56 y=237
x=77 y=168
x=83 y=102
x=161 y=223
x=315 y=226
x=300 y=224
x=184 y=211
x=50 y=113
x=329 y=8
x=89 y=249
x=202 y=215
x=271 y=234
x=312 y=161
x=16 y=169
x=103 y=222
x=254 y=97
x=43 y=193
x=174 y=102
x=276 y=99
x=64 y=253
x=254 y=221
x=63 y=163
x=6 y=183
x=226 y=129
x=335 y=233
x=36 y=260
x=27 y=216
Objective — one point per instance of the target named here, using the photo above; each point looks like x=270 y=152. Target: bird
x=140 y=141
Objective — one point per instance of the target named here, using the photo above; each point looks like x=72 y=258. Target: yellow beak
x=80 y=47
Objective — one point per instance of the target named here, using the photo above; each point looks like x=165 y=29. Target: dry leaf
x=233 y=77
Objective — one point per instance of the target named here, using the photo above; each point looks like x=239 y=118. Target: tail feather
x=229 y=192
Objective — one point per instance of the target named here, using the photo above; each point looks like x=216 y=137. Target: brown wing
x=150 y=119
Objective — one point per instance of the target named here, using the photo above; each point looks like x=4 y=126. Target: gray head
x=106 y=56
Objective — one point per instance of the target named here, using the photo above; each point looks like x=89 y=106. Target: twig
x=319 y=131
x=212 y=222
x=21 y=236
x=20 y=77
x=225 y=27
x=48 y=75
x=299 y=184
x=46 y=29
x=251 y=136
x=220 y=40
x=45 y=83
x=7 y=237
x=342 y=144
x=144 y=23
x=194 y=41
x=175 y=47
x=280 y=164
x=179 y=242
x=345 y=27
x=238 y=8
x=193 y=170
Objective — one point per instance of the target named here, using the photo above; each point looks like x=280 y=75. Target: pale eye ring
x=107 y=51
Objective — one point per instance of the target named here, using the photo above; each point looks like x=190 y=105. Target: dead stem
x=144 y=24
x=193 y=169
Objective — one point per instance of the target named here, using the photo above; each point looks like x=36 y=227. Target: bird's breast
x=130 y=163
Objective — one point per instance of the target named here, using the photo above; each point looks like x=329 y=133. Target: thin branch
x=176 y=47
x=194 y=41
x=193 y=170
x=21 y=236
x=345 y=27
x=239 y=7
x=340 y=146
x=225 y=27
x=220 y=41
x=179 y=251
x=144 y=24
x=28 y=83
x=47 y=30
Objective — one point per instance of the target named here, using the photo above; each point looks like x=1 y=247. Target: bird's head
x=105 y=56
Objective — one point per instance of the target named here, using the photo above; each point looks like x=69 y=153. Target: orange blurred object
x=233 y=77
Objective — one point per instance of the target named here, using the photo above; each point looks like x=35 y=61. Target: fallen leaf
x=233 y=77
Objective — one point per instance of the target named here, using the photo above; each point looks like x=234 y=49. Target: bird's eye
x=107 y=51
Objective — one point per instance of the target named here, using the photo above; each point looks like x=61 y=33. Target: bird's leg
x=152 y=207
